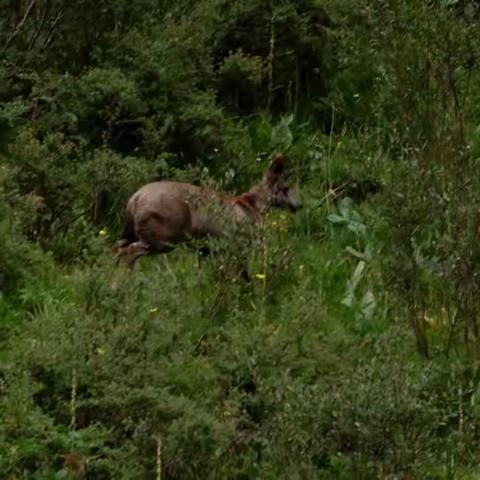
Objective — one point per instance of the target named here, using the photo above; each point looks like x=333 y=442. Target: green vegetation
x=354 y=352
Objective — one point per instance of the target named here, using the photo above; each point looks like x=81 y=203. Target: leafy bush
x=181 y=369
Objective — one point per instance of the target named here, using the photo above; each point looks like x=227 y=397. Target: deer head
x=279 y=193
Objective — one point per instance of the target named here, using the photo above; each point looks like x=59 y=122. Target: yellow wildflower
x=154 y=310
x=103 y=232
x=100 y=351
x=260 y=276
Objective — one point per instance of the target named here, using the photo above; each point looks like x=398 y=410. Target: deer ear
x=277 y=165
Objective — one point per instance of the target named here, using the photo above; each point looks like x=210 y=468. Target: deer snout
x=295 y=208
x=295 y=203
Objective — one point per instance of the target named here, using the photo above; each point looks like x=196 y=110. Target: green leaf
x=349 y=299
x=357 y=274
x=355 y=253
x=282 y=136
x=345 y=207
x=357 y=227
x=368 y=305
x=334 y=218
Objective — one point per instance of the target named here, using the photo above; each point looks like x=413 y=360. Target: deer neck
x=254 y=202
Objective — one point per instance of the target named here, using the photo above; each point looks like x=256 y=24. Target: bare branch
x=21 y=24
x=34 y=39
x=57 y=20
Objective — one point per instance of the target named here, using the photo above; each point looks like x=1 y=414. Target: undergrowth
x=353 y=352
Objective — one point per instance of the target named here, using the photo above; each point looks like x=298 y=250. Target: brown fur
x=161 y=215
x=248 y=202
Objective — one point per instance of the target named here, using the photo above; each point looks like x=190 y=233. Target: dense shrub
x=181 y=370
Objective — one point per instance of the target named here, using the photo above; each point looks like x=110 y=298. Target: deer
x=161 y=215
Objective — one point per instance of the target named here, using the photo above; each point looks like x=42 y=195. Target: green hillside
x=353 y=352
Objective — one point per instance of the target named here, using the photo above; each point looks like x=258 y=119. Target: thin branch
x=159 y=458
x=57 y=20
x=73 y=400
x=34 y=39
x=453 y=324
x=21 y=24
x=453 y=88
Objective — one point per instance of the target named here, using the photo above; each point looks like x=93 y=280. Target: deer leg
x=119 y=250
x=134 y=251
x=141 y=248
x=203 y=252
x=245 y=275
